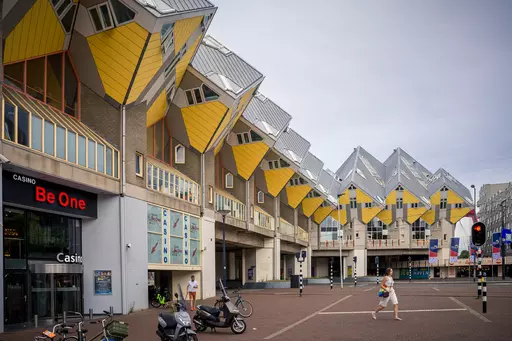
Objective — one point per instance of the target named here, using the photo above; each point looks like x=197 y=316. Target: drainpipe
x=203 y=207
x=122 y=209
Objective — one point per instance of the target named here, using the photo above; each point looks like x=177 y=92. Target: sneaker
x=374 y=316
x=398 y=319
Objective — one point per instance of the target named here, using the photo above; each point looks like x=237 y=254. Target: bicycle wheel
x=155 y=303
x=245 y=308
x=70 y=338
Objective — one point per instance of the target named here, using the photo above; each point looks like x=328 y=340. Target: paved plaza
x=432 y=311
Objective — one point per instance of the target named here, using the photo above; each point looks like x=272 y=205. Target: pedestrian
x=191 y=292
x=387 y=293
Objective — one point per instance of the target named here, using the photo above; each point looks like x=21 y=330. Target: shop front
x=42 y=242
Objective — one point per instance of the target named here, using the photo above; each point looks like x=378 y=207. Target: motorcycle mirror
x=176 y=295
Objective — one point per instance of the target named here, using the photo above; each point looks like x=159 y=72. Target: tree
x=464 y=254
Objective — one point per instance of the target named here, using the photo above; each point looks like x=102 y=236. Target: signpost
x=355 y=271
x=300 y=260
x=377 y=263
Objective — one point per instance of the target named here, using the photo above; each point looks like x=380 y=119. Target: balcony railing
x=302 y=234
x=335 y=244
x=224 y=201
x=420 y=243
x=286 y=228
x=172 y=183
x=264 y=220
x=386 y=244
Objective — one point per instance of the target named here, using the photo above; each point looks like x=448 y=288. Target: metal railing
x=286 y=228
x=335 y=244
x=264 y=220
x=302 y=234
x=420 y=243
x=224 y=201
x=386 y=244
x=168 y=181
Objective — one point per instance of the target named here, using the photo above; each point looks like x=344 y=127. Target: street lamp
x=502 y=204
x=340 y=238
x=224 y=213
x=470 y=241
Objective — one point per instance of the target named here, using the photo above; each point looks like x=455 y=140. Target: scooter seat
x=170 y=320
x=210 y=310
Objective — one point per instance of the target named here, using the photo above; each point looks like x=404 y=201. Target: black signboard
x=28 y=191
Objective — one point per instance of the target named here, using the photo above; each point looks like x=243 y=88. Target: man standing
x=191 y=290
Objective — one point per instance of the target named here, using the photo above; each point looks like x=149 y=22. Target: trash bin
x=294 y=281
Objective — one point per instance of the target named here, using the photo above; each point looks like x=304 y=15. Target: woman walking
x=387 y=293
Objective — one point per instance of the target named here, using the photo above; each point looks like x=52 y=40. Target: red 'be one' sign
x=64 y=200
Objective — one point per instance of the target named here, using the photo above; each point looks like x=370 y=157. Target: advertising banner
x=474 y=248
x=102 y=282
x=507 y=235
x=496 y=246
x=454 y=249
x=433 y=251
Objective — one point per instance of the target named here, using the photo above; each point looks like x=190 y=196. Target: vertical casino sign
x=166 y=235
x=185 y=239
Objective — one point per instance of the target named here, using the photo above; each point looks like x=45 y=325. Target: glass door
x=15 y=297
x=42 y=296
x=68 y=293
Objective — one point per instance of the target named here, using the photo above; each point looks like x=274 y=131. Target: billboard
x=454 y=249
x=496 y=246
x=433 y=251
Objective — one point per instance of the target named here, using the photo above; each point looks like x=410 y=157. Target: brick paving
x=275 y=310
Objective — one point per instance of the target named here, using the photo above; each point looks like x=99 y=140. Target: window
x=443 y=204
x=167 y=34
x=210 y=194
x=458 y=205
x=261 y=197
x=229 y=180
x=352 y=187
x=65 y=10
x=376 y=230
x=123 y=14
x=49 y=131
x=9 y=119
x=36 y=133
x=255 y=137
x=399 y=203
x=101 y=17
x=353 y=203
x=61 y=143
x=368 y=205
x=414 y=205
x=139 y=164
x=179 y=154
x=419 y=230
x=72 y=147
x=166 y=181
x=249 y=137
x=444 y=189
x=400 y=188
x=91 y=152
x=313 y=194
x=200 y=95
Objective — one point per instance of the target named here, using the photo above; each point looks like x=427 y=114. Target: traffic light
x=478 y=234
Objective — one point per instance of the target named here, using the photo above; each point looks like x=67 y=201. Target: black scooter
x=209 y=317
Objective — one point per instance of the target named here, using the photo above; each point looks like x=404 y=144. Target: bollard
x=111 y=310
x=484 y=294
x=90 y=314
x=300 y=279
x=331 y=271
x=36 y=321
x=65 y=317
x=377 y=273
x=355 y=276
x=479 y=267
x=410 y=269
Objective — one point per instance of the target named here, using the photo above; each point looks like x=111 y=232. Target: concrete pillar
x=208 y=265
x=308 y=263
x=231 y=266
x=244 y=268
x=264 y=256
x=285 y=269
x=276 y=264
x=295 y=223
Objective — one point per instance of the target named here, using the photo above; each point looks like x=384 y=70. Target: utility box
x=294 y=282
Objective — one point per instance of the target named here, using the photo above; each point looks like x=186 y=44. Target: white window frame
x=210 y=194
x=139 y=158
x=353 y=203
x=368 y=205
x=201 y=94
x=414 y=205
x=261 y=197
x=114 y=15
x=176 y=160
x=401 y=202
x=65 y=11
x=443 y=204
x=226 y=182
x=458 y=205
x=399 y=188
x=97 y=7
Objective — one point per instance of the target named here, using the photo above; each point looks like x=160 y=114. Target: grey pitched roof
x=293 y=146
x=404 y=169
x=169 y=7
x=224 y=68
x=443 y=178
x=311 y=167
x=328 y=186
x=266 y=115
x=366 y=172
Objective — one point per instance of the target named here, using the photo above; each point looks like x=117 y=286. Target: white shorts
x=392 y=297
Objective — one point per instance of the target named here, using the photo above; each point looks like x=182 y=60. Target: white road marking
x=471 y=311
x=436 y=289
x=401 y=311
x=369 y=289
x=293 y=325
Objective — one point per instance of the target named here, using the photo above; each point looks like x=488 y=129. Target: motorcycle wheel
x=238 y=326
x=155 y=303
x=189 y=338
x=199 y=327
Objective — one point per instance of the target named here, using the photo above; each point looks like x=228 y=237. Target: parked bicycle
x=161 y=300
x=244 y=307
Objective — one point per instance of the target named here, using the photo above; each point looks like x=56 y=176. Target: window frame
x=262 y=199
x=192 y=92
x=226 y=184
x=210 y=194
x=443 y=203
x=176 y=161
x=102 y=19
x=399 y=203
x=139 y=159
x=414 y=205
x=113 y=14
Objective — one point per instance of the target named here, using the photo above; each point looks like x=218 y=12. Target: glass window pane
x=91 y=154
x=71 y=88
x=116 y=164
x=61 y=143
x=9 y=122
x=54 y=81
x=209 y=94
x=35 y=78
x=96 y=19
x=109 y=161
x=197 y=93
x=49 y=136
x=62 y=7
x=81 y=151
x=13 y=74
x=155 y=178
x=122 y=13
x=101 y=156
x=23 y=118
x=71 y=147
x=148 y=175
x=36 y=136
x=190 y=99
x=67 y=20
x=158 y=140
x=105 y=14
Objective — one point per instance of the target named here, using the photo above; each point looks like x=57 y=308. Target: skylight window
x=260 y=96
x=372 y=170
x=309 y=174
x=322 y=188
x=380 y=199
x=210 y=41
x=294 y=156
x=358 y=171
x=404 y=174
x=425 y=200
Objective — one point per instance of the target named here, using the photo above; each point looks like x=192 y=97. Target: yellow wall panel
x=157 y=110
x=276 y=179
x=391 y=198
x=37 y=34
x=429 y=216
x=368 y=214
x=183 y=29
x=345 y=198
x=309 y=205
x=414 y=214
x=248 y=157
x=150 y=64
x=409 y=198
x=181 y=67
x=386 y=216
x=341 y=215
x=296 y=194
x=435 y=199
x=457 y=214
x=362 y=197
x=116 y=53
x=201 y=120
x=453 y=198
x=321 y=213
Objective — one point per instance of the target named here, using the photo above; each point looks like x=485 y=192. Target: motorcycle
x=209 y=317
x=161 y=300
x=176 y=326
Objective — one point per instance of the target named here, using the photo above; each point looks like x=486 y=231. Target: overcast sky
x=433 y=77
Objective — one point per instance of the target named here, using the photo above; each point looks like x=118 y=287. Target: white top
x=389 y=282
x=192 y=286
